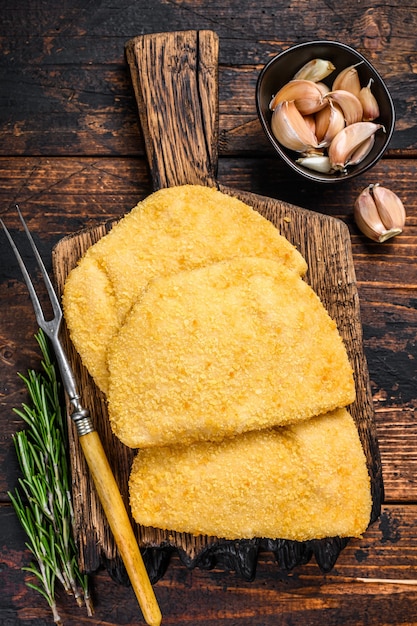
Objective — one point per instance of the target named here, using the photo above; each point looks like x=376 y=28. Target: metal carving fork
x=95 y=455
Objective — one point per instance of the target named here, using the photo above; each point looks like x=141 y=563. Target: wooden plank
x=76 y=34
x=207 y=598
x=67 y=88
x=104 y=30
x=90 y=190
x=59 y=121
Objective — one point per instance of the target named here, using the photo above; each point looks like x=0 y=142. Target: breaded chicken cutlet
x=192 y=316
x=219 y=350
x=171 y=230
x=299 y=482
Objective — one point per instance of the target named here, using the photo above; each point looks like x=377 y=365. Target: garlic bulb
x=379 y=213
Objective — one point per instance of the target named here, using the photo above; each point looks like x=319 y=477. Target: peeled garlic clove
x=315 y=70
x=368 y=217
x=318 y=163
x=306 y=95
x=349 y=103
x=390 y=208
x=329 y=121
x=290 y=128
x=348 y=80
x=348 y=140
x=369 y=103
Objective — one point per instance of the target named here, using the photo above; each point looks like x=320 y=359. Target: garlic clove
x=310 y=120
x=390 y=207
x=307 y=96
x=290 y=128
x=329 y=121
x=348 y=140
x=315 y=70
x=318 y=163
x=323 y=88
x=367 y=215
x=369 y=103
x=349 y=103
x=362 y=151
x=348 y=80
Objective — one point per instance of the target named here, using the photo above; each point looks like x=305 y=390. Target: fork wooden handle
x=120 y=525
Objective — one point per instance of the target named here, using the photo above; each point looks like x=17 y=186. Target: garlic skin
x=307 y=96
x=329 y=121
x=310 y=120
x=362 y=151
x=290 y=128
x=348 y=141
x=390 y=207
x=348 y=80
x=323 y=88
x=349 y=103
x=315 y=70
x=369 y=103
x=379 y=213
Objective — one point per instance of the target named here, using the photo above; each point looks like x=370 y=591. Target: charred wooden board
x=175 y=80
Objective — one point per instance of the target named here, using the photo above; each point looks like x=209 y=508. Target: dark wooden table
x=72 y=155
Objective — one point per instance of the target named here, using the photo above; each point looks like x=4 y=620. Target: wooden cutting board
x=175 y=81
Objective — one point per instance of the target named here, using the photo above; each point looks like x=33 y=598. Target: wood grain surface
x=73 y=156
x=175 y=83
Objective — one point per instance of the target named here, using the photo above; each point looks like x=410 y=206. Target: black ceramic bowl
x=282 y=68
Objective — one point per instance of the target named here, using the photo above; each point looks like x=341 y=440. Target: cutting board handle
x=175 y=80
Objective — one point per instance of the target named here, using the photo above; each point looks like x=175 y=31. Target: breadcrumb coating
x=91 y=314
x=171 y=230
x=216 y=356
x=299 y=482
x=212 y=352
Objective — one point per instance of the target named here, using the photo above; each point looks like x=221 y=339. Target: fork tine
x=51 y=327
x=50 y=289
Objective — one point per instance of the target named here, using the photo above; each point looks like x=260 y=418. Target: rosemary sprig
x=42 y=500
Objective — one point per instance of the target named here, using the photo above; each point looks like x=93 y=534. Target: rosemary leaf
x=42 y=499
